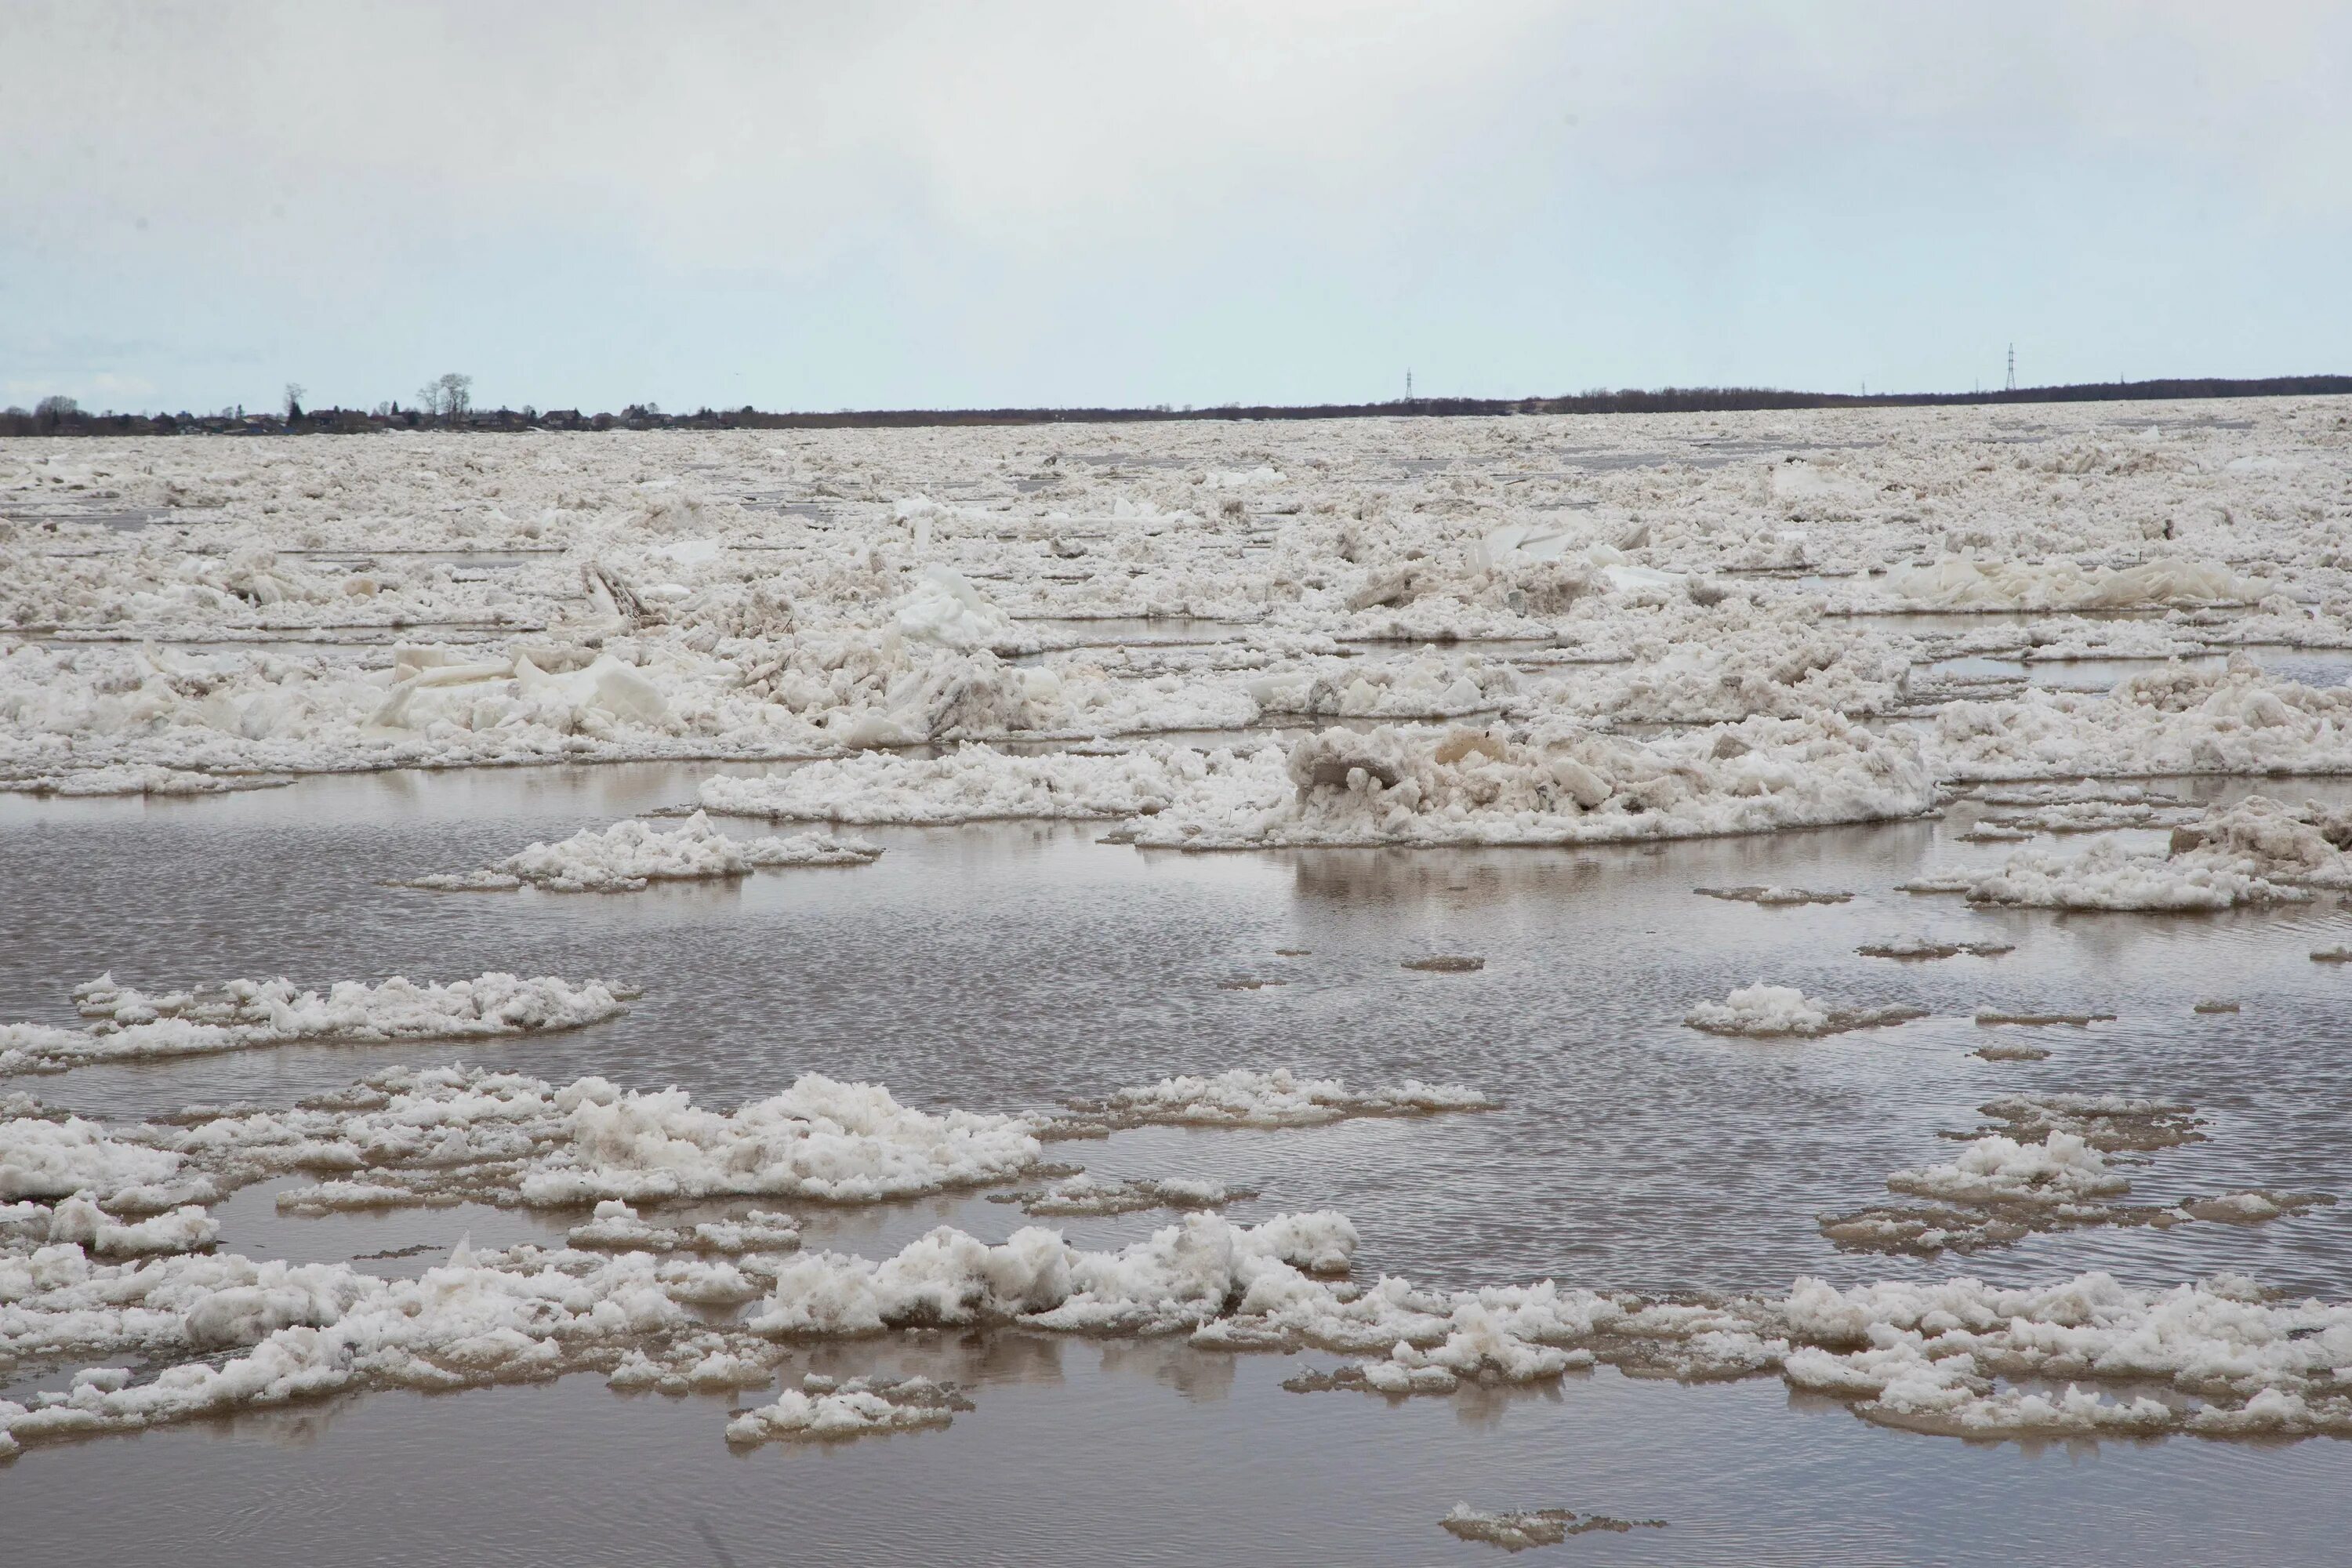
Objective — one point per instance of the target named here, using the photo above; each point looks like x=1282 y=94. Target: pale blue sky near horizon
x=937 y=204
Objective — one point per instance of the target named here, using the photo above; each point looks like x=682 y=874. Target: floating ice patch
x=1919 y=949
x=248 y=1014
x=1244 y=1097
x=2048 y=1169
x=1083 y=1195
x=822 y=1410
x=295 y=1331
x=2085 y=817
x=2082 y=792
x=502 y=1138
x=2060 y=1168
x=2109 y=1122
x=1516 y=1529
x=2108 y=876
x=617 y=1228
x=629 y=856
x=123 y=778
x=1768 y=1011
x=2257 y=851
x=1775 y=896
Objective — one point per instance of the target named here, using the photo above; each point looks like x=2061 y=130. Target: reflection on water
x=1016 y=964
x=1086 y=1453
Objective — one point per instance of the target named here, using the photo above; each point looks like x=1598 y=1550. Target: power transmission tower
x=2012 y=367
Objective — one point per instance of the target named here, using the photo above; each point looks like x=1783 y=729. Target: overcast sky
x=853 y=204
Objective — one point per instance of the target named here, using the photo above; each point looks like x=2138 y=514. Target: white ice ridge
x=1764 y=1011
x=1559 y=786
x=629 y=856
x=2177 y=720
x=246 y=1015
x=1774 y=669
x=2256 y=851
x=1428 y=685
x=1962 y=582
x=980 y=783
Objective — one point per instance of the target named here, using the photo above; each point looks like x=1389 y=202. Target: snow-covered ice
x=2257 y=851
x=246 y=1015
x=1566 y=785
x=1246 y=1096
x=1765 y=1012
x=630 y=855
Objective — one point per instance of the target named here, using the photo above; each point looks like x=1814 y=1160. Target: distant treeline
x=58 y=417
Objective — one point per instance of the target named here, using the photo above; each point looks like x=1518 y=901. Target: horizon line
x=389 y=414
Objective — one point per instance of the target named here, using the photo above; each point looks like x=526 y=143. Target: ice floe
x=1516 y=1529
x=1245 y=1097
x=1767 y=1012
x=2055 y=1164
x=2257 y=851
x=246 y=1015
x=630 y=855
x=822 y=1409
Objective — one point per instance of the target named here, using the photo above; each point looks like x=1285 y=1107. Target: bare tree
x=449 y=397
x=57 y=405
x=294 y=391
